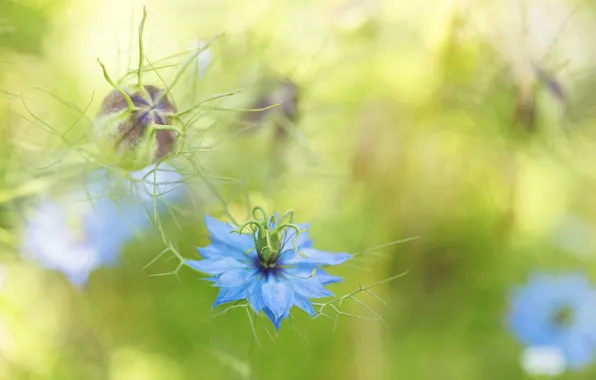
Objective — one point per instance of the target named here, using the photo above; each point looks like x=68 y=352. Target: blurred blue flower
x=89 y=228
x=162 y=183
x=273 y=267
x=557 y=312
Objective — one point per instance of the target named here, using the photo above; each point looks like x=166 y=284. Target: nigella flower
x=89 y=227
x=268 y=261
x=559 y=313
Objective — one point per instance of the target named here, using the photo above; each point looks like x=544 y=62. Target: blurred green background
x=468 y=124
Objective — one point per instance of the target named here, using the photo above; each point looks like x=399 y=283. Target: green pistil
x=269 y=241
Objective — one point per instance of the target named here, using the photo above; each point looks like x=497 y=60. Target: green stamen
x=269 y=243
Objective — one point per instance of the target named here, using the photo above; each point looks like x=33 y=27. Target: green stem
x=191 y=59
x=129 y=102
x=141 y=49
x=214 y=97
x=159 y=127
x=259 y=208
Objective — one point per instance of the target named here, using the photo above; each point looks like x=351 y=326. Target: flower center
x=265 y=268
x=270 y=237
x=152 y=109
x=563 y=316
x=268 y=245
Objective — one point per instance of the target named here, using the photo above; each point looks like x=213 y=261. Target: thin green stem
x=129 y=102
x=191 y=59
x=141 y=49
x=262 y=210
x=214 y=97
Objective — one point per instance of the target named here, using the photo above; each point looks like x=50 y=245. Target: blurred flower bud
x=378 y=149
x=284 y=92
x=138 y=131
x=280 y=118
x=525 y=107
x=552 y=84
x=526 y=111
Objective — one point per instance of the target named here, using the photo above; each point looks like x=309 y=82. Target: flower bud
x=285 y=92
x=136 y=133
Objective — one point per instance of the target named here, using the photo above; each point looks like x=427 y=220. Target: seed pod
x=284 y=120
x=129 y=131
x=285 y=92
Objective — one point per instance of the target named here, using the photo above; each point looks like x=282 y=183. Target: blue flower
x=89 y=227
x=273 y=266
x=558 y=312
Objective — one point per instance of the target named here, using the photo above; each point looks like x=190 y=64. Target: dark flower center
x=563 y=316
x=153 y=108
x=271 y=237
x=266 y=268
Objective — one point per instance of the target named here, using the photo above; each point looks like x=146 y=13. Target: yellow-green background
x=407 y=128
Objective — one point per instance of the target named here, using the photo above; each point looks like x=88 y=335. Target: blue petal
x=211 y=252
x=276 y=321
x=230 y=294
x=277 y=296
x=585 y=317
x=316 y=257
x=210 y=279
x=215 y=266
x=219 y=250
x=305 y=271
x=234 y=277
x=49 y=238
x=578 y=352
x=309 y=288
x=325 y=278
x=78 y=279
x=222 y=232
x=255 y=297
x=119 y=222
x=529 y=317
x=303 y=303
